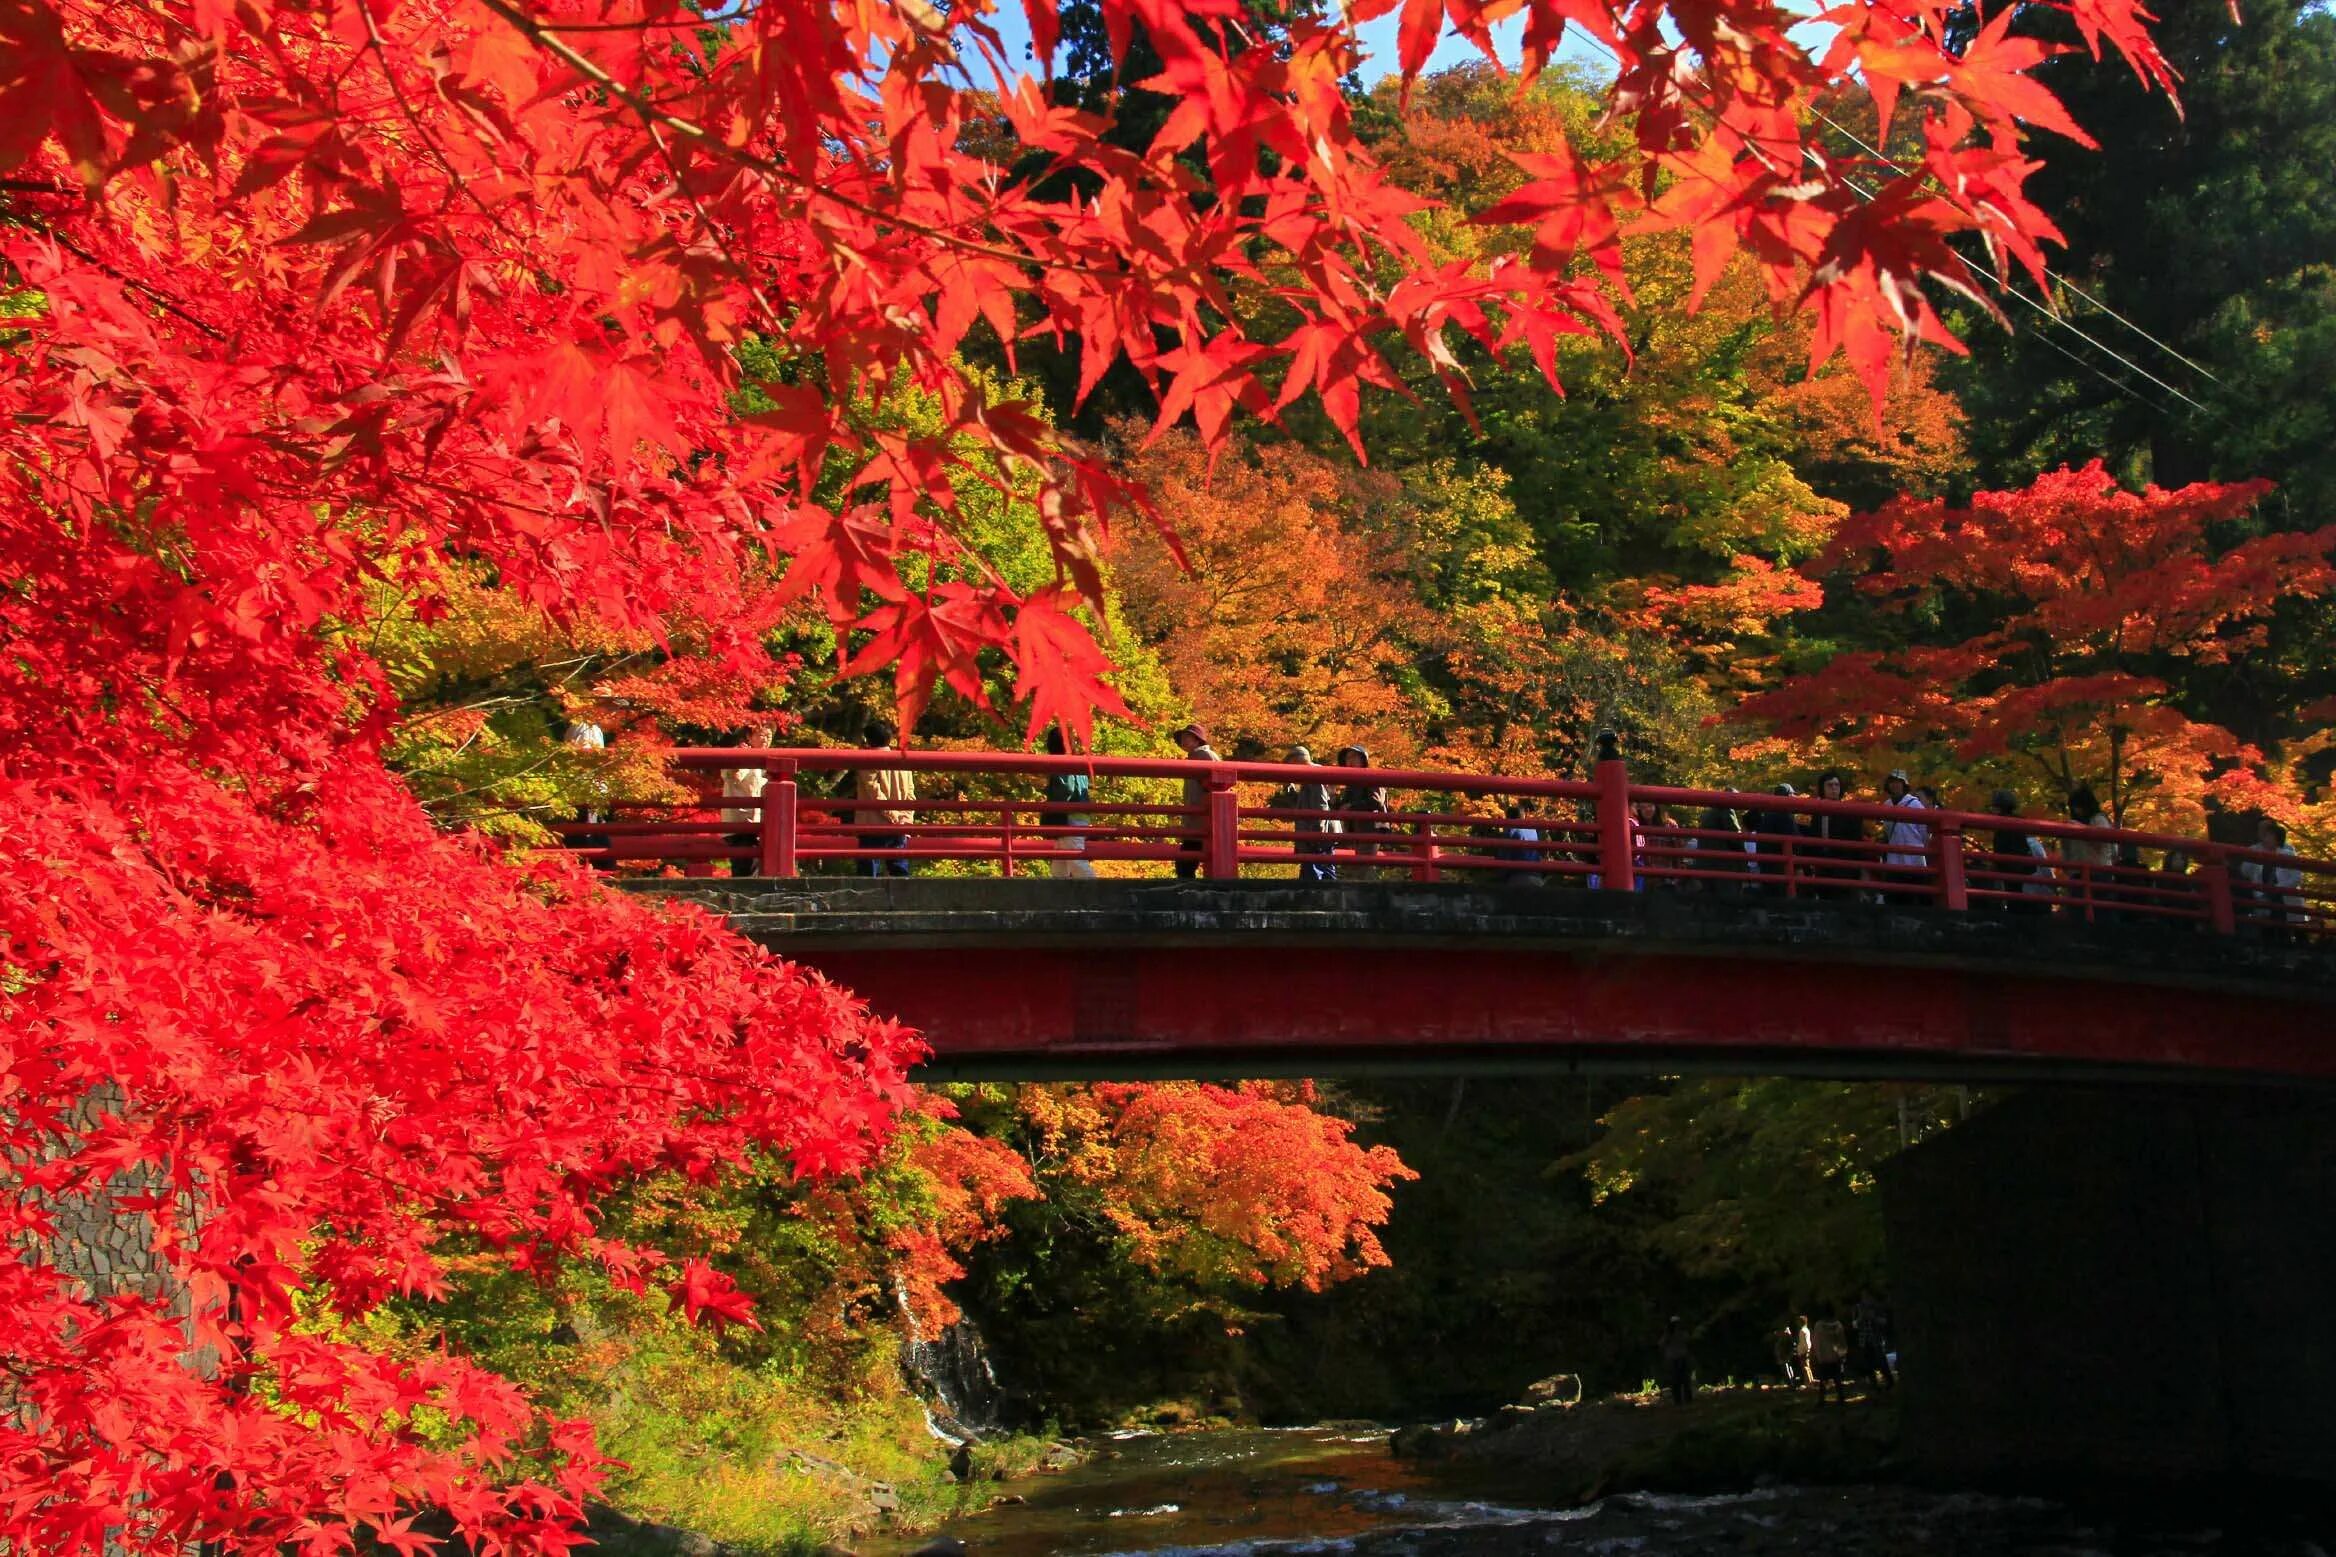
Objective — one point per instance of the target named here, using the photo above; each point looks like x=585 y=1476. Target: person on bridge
x=1363 y=804
x=746 y=784
x=1315 y=832
x=1523 y=830
x=2089 y=859
x=1776 y=839
x=1193 y=741
x=1678 y=1365
x=1721 y=849
x=1908 y=842
x=584 y=735
x=888 y=795
x=1839 y=840
x=1066 y=789
x=2274 y=888
x=2020 y=857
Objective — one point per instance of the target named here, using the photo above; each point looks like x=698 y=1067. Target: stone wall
x=103 y=1247
x=2134 y=1285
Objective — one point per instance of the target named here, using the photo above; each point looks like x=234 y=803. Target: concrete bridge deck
x=1036 y=979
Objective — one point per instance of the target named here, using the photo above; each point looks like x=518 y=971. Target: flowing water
x=1259 y=1493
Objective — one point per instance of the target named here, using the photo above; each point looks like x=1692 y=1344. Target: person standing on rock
x=1787 y=1347
x=1678 y=1367
x=1829 y=1359
x=1869 y=1328
x=1803 y=1344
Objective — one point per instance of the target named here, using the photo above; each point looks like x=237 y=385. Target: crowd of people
x=1837 y=1349
x=1738 y=844
x=1827 y=1354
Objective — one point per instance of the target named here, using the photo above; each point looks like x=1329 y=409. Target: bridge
x=1220 y=919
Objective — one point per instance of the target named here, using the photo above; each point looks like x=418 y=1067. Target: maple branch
x=651 y=114
x=161 y=299
x=397 y=92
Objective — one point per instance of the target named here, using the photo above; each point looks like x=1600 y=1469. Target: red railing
x=1219 y=819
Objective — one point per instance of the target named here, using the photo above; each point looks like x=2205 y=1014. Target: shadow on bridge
x=1145 y=979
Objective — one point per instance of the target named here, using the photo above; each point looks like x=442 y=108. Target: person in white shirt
x=585 y=736
x=2272 y=890
x=1908 y=841
x=746 y=783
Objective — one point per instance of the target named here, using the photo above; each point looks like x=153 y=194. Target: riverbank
x=1726 y=1440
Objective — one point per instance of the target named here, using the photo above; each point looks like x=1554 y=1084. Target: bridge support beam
x=2121 y=1287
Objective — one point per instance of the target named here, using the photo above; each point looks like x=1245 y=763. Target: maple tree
x=309 y=300
x=2098 y=600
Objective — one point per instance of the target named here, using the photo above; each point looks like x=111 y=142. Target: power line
x=2049 y=314
x=1862 y=144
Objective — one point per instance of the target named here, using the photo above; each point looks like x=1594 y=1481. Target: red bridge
x=1488 y=920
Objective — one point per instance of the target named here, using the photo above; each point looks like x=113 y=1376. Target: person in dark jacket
x=1193 y=741
x=1523 y=829
x=1776 y=835
x=1314 y=832
x=1724 y=851
x=2019 y=855
x=1067 y=789
x=1364 y=805
x=1837 y=841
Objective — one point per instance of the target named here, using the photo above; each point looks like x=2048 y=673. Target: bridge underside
x=1040 y=980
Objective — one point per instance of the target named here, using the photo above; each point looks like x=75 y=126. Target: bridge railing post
x=1006 y=838
x=1617 y=870
x=2214 y=879
x=1221 y=827
x=1426 y=869
x=1954 y=880
x=781 y=798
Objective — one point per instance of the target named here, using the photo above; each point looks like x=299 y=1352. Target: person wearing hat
x=1303 y=796
x=1364 y=805
x=1909 y=841
x=1193 y=741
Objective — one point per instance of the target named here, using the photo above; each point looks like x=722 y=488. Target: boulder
x=1559 y=1389
x=1430 y=1440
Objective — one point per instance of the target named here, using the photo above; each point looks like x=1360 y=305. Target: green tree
x=2213 y=229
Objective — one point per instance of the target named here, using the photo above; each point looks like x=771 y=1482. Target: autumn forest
x=396 y=391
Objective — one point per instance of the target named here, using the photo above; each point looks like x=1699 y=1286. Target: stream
x=1256 y=1492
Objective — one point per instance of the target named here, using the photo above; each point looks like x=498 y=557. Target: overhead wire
x=2002 y=281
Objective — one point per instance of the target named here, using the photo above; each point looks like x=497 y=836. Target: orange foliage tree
x=1241 y=1185
x=1279 y=613
x=2098 y=602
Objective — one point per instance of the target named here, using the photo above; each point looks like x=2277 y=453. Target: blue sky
x=1378 y=39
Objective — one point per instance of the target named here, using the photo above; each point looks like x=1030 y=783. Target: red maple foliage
x=2098 y=599
x=311 y=299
